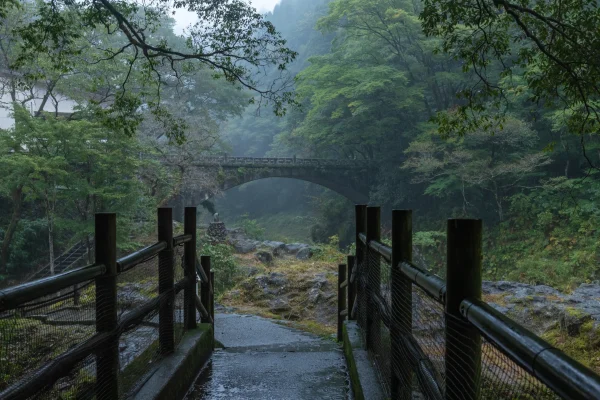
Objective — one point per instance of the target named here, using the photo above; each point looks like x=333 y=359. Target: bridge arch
x=347 y=178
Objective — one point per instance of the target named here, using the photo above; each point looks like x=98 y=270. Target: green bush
x=252 y=229
x=223 y=263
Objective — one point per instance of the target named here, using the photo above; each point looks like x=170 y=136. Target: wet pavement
x=262 y=359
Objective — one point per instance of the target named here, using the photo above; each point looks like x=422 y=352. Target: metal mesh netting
x=420 y=358
x=79 y=383
x=38 y=331
x=139 y=352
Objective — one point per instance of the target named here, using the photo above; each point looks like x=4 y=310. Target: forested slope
x=373 y=86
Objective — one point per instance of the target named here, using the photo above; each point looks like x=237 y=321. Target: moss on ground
x=316 y=316
x=584 y=347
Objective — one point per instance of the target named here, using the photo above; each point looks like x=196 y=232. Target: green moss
x=584 y=347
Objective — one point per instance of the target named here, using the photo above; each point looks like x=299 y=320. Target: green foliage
x=428 y=238
x=545 y=46
x=551 y=236
x=223 y=263
x=231 y=40
x=252 y=228
x=71 y=169
x=330 y=251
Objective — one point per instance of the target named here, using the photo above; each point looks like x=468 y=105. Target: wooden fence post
x=166 y=277
x=463 y=280
x=212 y=303
x=205 y=287
x=373 y=270
x=189 y=249
x=352 y=286
x=341 y=301
x=361 y=227
x=107 y=359
x=401 y=385
x=360 y=215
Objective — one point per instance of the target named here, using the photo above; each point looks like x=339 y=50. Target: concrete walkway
x=266 y=360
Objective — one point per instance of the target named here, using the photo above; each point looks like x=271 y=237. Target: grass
x=247 y=297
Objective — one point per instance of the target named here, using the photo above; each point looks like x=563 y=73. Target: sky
x=184 y=18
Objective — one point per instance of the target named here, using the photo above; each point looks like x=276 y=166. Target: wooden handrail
x=129 y=261
x=15 y=296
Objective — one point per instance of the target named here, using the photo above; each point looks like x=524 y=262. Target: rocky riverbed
x=291 y=281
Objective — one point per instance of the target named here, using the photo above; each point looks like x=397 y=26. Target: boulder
x=273 y=245
x=319 y=281
x=572 y=319
x=304 y=253
x=244 y=246
x=264 y=257
x=294 y=248
x=314 y=295
x=272 y=284
x=279 y=305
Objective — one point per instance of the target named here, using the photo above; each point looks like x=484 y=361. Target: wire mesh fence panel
x=179 y=273
x=178 y=326
x=361 y=296
x=78 y=383
x=503 y=379
x=428 y=331
x=137 y=285
x=37 y=331
x=378 y=313
x=139 y=353
x=178 y=262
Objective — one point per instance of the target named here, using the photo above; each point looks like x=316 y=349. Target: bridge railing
x=437 y=337
x=98 y=331
x=279 y=161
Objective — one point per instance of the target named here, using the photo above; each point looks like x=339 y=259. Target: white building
x=32 y=99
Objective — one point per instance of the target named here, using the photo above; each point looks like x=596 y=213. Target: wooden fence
x=103 y=274
x=484 y=353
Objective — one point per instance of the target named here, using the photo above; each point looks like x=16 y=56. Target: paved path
x=265 y=360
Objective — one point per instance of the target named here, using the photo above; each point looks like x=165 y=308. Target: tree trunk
x=50 y=204
x=17 y=197
x=51 y=243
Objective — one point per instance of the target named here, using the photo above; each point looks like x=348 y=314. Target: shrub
x=223 y=264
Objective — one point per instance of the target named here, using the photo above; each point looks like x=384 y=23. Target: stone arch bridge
x=350 y=178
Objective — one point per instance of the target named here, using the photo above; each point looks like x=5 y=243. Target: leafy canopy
x=553 y=45
x=230 y=39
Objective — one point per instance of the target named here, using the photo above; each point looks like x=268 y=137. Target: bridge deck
x=262 y=359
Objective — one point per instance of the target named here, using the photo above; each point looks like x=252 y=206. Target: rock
x=133 y=294
x=216 y=232
x=273 y=284
x=264 y=257
x=542 y=308
x=572 y=319
x=278 y=279
x=314 y=295
x=244 y=246
x=279 y=305
x=294 y=248
x=304 y=253
x=273 y=245
x=319 y=281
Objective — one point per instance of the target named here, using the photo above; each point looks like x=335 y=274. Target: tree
x=552 y=44
x=75 y=168
x=493 y=162
x=230 y=39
